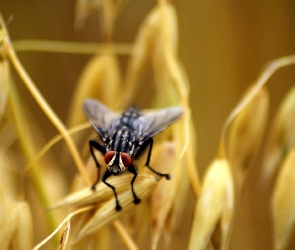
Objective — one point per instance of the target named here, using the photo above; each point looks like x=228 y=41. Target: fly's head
x=117 y=162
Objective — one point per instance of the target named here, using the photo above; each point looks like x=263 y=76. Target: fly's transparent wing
x=151 y=124
x=101 y=118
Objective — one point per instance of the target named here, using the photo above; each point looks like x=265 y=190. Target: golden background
x=222 y=45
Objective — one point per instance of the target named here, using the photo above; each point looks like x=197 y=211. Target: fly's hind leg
x=132 y=169
x=150 y=142
x=94 y=144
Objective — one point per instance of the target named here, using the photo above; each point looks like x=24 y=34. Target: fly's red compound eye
x=126 y=159
x=109 y=156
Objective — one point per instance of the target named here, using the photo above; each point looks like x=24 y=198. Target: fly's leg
x=100 y=148
x=132 y=169
x=106 y=175
x=150 y=142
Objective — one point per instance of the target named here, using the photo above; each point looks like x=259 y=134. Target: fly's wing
x=147 y=126
x=101 y=118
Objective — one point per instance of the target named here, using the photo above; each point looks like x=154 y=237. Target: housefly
x=124 y=138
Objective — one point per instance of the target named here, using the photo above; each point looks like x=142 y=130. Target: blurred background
x=222 y=45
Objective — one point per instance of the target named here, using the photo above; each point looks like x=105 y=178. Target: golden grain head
x=102 y=193
x=4 y=79
x=17 y=227
x=87 y=218
x=246 y=133
x=280 y=138
x=64 y=238
x=163 y=198
x=100 y=79
x=106 y=213
x=9 y=225
x=215 y=204
x=156 y=37
x=108 y=9
x=283 y=206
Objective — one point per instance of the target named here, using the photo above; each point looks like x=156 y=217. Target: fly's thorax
x=129 y=116
x=117 y=162
x=122 y=141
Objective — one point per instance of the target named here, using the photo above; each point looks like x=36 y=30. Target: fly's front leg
x=150 y=142
x=132 y=169
x=100 y=148
x=106 y=175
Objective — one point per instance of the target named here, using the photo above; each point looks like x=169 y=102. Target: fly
x=124 y=138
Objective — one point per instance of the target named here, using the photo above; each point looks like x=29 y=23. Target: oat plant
x=34 y=188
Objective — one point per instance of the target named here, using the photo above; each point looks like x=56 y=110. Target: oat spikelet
x=100 y=79
x=108 y=12
x=41 y=101
x=17 y=228
x=215 y=204
x=4 y=79
x=281 y=138
x=163 y=197
x=283 y=203
x=86 y=196
x=107 y=213
x=245 y=134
